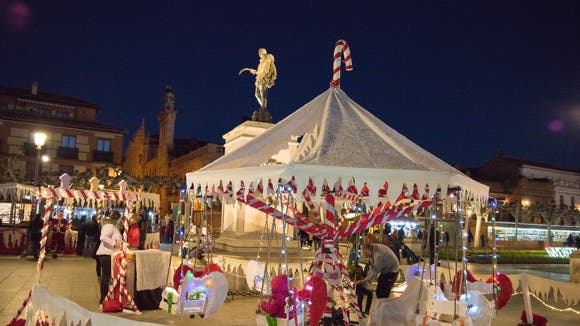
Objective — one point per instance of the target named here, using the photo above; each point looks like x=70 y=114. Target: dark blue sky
x=463 y=79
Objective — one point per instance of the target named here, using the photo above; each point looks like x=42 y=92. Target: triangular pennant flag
x=270 y=190
x=338 y=187
x=260 y=188
x=293 y=185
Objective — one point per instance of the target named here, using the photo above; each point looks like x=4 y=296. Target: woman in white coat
x=111 y=241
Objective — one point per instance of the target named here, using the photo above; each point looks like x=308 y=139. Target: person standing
x=81 y=236
x=35 y=230
x=363 y=290
x=111 y=241
x=382 y=263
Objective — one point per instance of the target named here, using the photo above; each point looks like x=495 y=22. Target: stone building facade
x=75 y=140
x=164 y=155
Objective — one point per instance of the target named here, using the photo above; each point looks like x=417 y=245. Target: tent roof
x=335 y=131
x=335 y=137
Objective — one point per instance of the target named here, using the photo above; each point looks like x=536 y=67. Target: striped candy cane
x=121 y=277
x=21 y=309
x=44 y=237
x=340 y=49
x=40 y=266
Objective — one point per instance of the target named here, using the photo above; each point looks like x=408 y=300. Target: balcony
x=67 y=153
x=100 y=156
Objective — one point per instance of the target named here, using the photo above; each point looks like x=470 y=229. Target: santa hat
x=325 y=188
x=364 y=192
x=383 y=191
x=404 y=196
x=426 y=194
x=415 y=194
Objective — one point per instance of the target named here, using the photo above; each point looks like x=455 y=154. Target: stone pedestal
x=262 y=115
x=250 y=244
x=243 y=133
x=575 y=267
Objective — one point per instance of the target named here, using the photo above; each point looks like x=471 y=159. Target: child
x=363 y=289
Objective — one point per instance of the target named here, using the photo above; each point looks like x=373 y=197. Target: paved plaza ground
x=74 y=278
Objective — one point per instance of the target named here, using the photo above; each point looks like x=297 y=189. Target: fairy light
x=436 y=243
x=549 y=306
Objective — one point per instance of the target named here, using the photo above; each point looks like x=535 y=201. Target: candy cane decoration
x=340 y=49
x=21 y=309
x=44 y=236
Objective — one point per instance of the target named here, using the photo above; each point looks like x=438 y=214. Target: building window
x=572 y=202
x=104 y=145
x=69 y=141
x=61 y=115
x=561 y=200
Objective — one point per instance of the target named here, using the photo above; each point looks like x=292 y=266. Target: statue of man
x=265 y=76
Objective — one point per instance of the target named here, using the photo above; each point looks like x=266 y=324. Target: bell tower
x=167 y=119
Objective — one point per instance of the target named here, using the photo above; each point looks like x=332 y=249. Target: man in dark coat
x=35 y=230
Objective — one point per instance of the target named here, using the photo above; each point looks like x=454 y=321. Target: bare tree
x=516 y=210
x=549 y=213
x=12 y=167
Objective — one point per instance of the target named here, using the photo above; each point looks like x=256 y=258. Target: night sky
x=463 y=79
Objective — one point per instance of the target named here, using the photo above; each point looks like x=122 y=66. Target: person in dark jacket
x=93 y=233
x=81 y=236
x=35 y=230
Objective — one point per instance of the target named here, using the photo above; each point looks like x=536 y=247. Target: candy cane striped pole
x=21 y=309
x=341 y=49
x=122 y=275
x=40 y=266
x=43 y=239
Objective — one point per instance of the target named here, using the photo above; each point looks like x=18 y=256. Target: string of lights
x=549 y=306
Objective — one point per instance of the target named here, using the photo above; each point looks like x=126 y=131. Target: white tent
x=15 y=191
x=333 y=137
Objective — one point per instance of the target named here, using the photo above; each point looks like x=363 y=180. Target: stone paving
x=75 y=278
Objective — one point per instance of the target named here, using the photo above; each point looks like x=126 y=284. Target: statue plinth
x=262 y=115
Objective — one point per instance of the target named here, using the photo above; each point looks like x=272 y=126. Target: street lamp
x=39 y=139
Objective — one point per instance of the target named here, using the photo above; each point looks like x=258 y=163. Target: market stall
x=146 y=275
x=15 y=210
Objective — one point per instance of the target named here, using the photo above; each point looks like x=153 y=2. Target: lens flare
x=17 y=16
x=556 y=125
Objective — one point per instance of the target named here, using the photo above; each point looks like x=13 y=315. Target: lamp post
x=39 y=139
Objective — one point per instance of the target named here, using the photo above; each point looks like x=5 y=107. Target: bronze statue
x=265 y=76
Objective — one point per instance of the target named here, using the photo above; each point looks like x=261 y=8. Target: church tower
x=167 y=118
x=166 y=121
